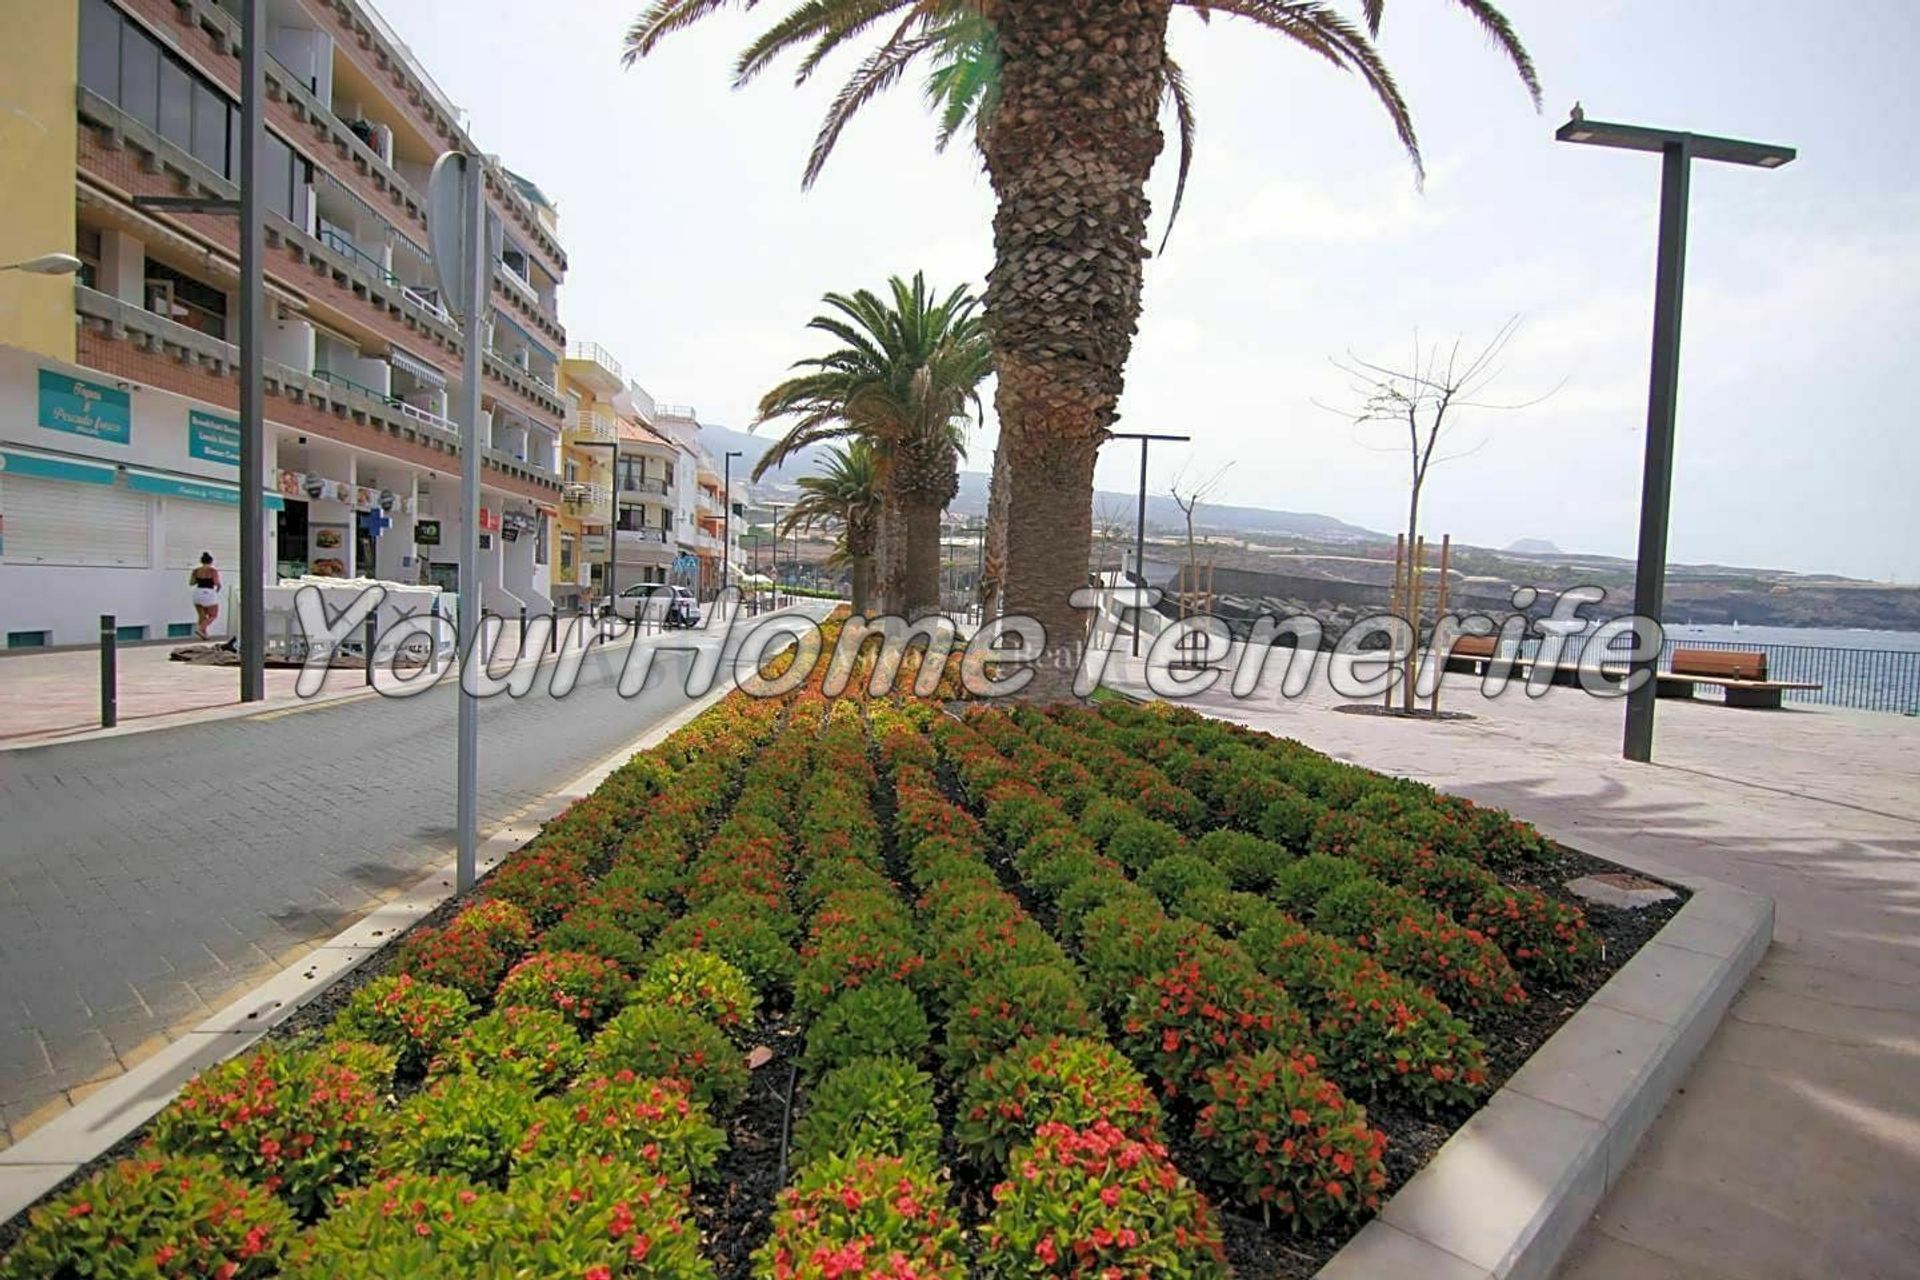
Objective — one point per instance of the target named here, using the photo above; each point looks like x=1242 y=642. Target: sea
x=1866 y=670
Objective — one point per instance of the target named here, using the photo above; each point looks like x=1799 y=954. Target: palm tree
x=1072 y=138
x=845 y=494
x=907 y=372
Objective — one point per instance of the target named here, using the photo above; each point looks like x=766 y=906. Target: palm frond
x=1176 y=88
x=1324 y=31
x=661 y=19
x=811 y=20
x=881 y=70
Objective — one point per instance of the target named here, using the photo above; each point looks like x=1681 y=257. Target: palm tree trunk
x=921 y=577
x=1069 y=153
x=890 y=550
x=993 y=567
x=862 y=584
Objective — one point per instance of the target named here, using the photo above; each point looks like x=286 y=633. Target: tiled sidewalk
x=1792 y=1151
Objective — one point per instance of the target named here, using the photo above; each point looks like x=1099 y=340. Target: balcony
x=595 y=426
x=649 y=487
x=588 y=501
x=594 y=367
x=644 y=546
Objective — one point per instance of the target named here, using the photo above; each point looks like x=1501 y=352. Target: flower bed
x=1098 y=991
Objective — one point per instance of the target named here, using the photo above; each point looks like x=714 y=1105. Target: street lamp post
x=1677 y=151
x=1140 y=523
x=726 y=518
x=47 y=264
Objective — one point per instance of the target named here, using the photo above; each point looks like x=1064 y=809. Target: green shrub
x=850 y=955
x=1301 y=886
x=1108 y=886
x=587 y=989
x=1289 y=819
x=857 y=1215
x=878 y=1019
x=300 y=1122
x=1249 y=862
x=745 y=935
x=1172 y=879
x=1100 y=819
x=1378 y=1033
x=1050 y=1080
x=1289 y=1141
x=654 y=1125
x=661 y=1041
x=543 y=881
x=591 y=931
x=962 y=956
x=467 y=1127
x=1096 y=1202
x=703 y=984
x=600 y=1218
x=417 y=1225
x=153 y=1217
x=1004 y=1008
x=872 y=1106
x=412 y=1018
x=1202 y=1010
x=1137 y=843
x=472 y=952
x=539 y=1049
x=621 y=897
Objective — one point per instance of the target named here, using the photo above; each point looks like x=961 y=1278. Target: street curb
x=218 y=712
x=1510 y=1191
x=44 y=1158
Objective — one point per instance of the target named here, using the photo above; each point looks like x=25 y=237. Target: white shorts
x=206 y=597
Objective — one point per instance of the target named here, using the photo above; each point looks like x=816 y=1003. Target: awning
x=414 y=365
x=53 y=466
x=168 y=485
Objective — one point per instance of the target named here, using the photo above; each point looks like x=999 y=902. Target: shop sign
x=426 y=533
x=84 y=408
x=212 y=438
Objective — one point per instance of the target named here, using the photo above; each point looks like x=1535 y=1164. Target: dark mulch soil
x=735 y=1208
x=1399 y=713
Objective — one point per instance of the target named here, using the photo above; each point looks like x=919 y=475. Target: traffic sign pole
x=474 y=266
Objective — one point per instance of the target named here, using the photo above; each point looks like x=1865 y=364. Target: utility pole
x=253 y=323
x=1140 y=525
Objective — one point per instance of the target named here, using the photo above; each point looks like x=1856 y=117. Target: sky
x=697 y=259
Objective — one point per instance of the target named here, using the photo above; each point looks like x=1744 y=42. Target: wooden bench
x=1740 y=673
x=1475 y=655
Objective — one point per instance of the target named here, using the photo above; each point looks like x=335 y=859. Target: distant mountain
x=972 y=498
x=1533 y=547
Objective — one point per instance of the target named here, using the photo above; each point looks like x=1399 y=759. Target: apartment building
x=119 y=453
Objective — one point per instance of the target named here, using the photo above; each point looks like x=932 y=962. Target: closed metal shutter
x=52 y=522
x=187 y=528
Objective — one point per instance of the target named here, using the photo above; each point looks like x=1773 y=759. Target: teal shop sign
x=213 y=438
x=85 y=408
x=195 y=490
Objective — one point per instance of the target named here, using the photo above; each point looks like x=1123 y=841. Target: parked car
x=682 y=610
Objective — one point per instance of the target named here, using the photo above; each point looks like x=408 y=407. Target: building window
x=86 y=247
x=181 y=298
x=212 y=124
x=566 y=557
x=100 y=27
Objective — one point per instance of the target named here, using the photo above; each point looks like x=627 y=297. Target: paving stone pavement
x=147 y=880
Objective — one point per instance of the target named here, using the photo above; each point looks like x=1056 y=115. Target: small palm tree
x=1071 y=139
x=906 y=375
x=844 y=495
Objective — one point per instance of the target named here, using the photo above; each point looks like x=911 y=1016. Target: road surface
x=147 y=880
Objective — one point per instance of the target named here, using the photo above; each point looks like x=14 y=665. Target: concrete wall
x=39 y=60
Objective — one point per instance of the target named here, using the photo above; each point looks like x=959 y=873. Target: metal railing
x=594 y=353
x=1862 y=679
x=650 y=487
x=341 y=245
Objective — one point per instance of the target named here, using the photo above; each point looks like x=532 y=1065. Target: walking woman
x=205 y=581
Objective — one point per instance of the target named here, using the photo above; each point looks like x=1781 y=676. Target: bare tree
x=1427 y=399
x=1109 y=527
x=1188 y=498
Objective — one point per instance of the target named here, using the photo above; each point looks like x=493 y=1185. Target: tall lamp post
x=726 y=518
x=1677 y=152
x=1140 y=519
